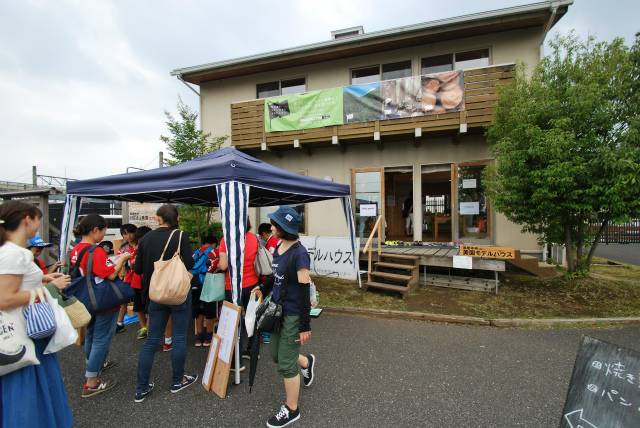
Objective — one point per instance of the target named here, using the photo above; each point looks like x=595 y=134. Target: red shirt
x=41 y=265
x=249 y=277
x=102 y=266
x=128 y=268
x=272 y=243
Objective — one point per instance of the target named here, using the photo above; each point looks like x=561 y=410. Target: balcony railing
x=248 y=133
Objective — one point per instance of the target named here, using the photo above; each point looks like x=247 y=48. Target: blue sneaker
x=140 y=396
x=265 y=339
x=189 y=380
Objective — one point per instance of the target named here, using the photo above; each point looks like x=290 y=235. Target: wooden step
x=399 y=288
x=394 y=266
x=394 y=276
x=399 y=256
x=532 y=265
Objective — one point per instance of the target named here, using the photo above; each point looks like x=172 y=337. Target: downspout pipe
x=554 y=9
x=179 y=76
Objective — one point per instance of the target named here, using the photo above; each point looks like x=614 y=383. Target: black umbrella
x=255 y=354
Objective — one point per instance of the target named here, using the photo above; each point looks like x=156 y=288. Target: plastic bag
x=312 y=294
x=65 y=334
x=250 y=317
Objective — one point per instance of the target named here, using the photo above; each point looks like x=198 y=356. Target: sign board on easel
x=603 y=391
x=227 y=330
x=207 y=376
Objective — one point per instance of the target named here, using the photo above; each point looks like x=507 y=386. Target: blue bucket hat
x=37 y=242
x=287 y=218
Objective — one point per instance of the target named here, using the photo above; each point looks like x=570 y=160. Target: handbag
x=269 y=314
x=262 y=263
x=65 y=334
x=213 y=287
x=16 y=349
x=250 y=313
x=39 y=317
x=76 y=311
x=171 y=281
x=98 y=295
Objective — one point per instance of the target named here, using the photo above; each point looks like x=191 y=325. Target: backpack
x=200 y=267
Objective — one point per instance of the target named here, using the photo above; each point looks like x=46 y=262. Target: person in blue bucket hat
x=295 y=331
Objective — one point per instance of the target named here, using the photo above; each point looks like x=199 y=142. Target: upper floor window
x=377 y=73
x=455 y=61
x=281 y=87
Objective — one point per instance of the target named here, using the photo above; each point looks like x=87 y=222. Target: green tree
x=566 y=144
x=187 y=142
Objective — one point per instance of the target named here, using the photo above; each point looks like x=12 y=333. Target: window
x=473 y=206
x=377 y=73
x=361 y=76
x=455 y=61
x=396 y=70
x=472 y=59
x=282 y=87
x=437 y=64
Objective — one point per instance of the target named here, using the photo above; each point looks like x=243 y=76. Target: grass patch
x=606 y=292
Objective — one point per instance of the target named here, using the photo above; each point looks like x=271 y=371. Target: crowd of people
x=160 y=324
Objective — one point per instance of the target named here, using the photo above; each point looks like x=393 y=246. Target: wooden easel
x=228 y=331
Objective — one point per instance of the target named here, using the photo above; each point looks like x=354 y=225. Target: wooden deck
x=441 y=257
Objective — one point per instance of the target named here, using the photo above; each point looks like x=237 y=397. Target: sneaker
x=167 y=347
x=140 y=396
x=189 y=380
x=199 y=339
x=307 y=374
x=264 y=334
x=284 y=417
x=233 y=367
x=119 y=328
x=207 y=342
x=142 y=333
x=265 y=339
x=108 y=364
x=101 y=386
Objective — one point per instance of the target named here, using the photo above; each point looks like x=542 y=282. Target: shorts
x=198 y=307
x=408 y=220
x=284 y=349
x=138 y=306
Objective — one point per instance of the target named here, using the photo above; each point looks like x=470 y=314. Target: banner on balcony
x=303 y=111
x=392 y=99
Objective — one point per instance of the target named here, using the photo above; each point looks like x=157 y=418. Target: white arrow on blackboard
x=579 y=421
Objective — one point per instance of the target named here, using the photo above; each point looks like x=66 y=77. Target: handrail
x=367 y=246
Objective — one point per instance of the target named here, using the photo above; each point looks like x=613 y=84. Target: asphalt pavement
x=623 y=253
x=370 y=372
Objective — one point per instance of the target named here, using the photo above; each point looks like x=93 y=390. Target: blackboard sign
x=604 y=391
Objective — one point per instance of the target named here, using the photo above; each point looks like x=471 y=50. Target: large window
x=455 y=61
x=367 y=190
x=473 y=206
x=377 y=73
x=281 y=87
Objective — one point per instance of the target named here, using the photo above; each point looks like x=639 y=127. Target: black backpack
x=74 y=270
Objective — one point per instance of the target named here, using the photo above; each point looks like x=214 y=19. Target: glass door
x=367 y=189
x=474 y=209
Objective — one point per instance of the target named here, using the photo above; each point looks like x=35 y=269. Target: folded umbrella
x=255 y=353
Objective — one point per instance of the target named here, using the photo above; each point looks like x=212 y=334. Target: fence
x=626 y=233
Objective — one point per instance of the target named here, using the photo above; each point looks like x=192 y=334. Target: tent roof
x=193 y=183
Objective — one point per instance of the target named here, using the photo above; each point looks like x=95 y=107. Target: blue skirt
x=34 y=396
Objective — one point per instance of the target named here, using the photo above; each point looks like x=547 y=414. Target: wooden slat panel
x=481 y=91
x=476 y=119
x=480 y=112
x=487 y=70
x=248 y=104
x=477 y=99
x=480 y=105
x=492 y=76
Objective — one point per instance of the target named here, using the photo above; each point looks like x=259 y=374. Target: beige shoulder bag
x=170 y=281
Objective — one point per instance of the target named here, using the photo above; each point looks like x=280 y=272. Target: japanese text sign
x=488 y=252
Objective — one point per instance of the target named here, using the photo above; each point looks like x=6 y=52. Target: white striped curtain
x=233 y=198
x=69 y=218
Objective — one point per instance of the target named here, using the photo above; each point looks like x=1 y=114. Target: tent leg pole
x=237 y=362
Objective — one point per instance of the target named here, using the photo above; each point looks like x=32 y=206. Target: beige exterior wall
x=326 y=218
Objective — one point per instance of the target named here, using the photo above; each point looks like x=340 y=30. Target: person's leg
x=167 y=334
x=288 y=356
x=180 y=315
x=292 y=388
x=103 y=332
x=158 y=316
x=142 y=319
x=88 y=339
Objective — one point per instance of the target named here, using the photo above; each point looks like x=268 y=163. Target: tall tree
x=566 y=144
x=186 y=142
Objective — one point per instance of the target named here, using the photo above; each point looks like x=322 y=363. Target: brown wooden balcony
x=248 y=134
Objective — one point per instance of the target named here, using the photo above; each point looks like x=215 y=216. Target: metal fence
x=626 y=233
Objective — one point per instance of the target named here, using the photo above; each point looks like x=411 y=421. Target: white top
x=16 y=260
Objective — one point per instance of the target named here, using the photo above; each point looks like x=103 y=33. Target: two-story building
x=405 y=111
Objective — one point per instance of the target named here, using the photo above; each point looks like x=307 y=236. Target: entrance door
x=367 y=192
x=474 y=209
x=436 y=199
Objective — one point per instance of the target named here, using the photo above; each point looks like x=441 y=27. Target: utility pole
x=35 y=176
x=161 y=159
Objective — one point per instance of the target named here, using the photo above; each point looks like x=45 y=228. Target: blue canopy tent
x=226 y=178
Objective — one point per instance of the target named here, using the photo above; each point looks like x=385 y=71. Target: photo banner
x=303 y=111
x=415 y=96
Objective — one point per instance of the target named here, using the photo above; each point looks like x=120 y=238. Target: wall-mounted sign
x=469 y=208
x=368 y=210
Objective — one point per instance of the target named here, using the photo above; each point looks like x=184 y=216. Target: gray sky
x=83 y=84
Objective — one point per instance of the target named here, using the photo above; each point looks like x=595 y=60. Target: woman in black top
x=150 y=249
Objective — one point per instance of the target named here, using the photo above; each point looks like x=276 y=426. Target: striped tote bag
x=39 y=317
